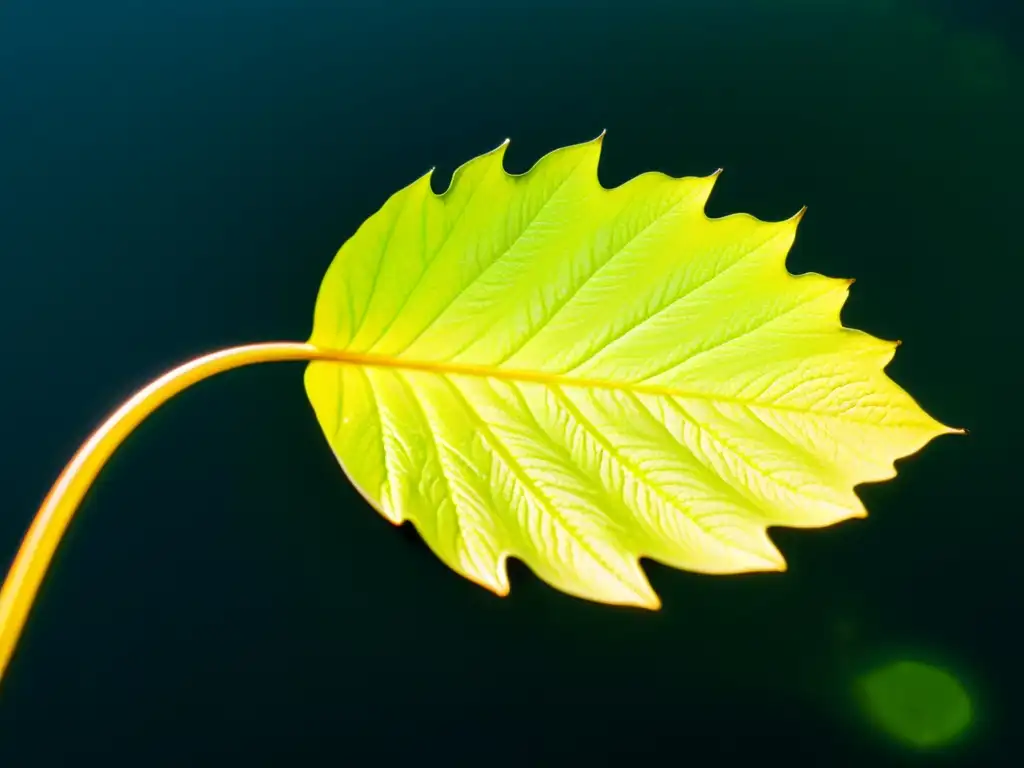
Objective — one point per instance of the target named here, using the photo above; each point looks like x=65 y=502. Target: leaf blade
x=580 y=377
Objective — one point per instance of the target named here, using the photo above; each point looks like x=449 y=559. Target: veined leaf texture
x=579 y=377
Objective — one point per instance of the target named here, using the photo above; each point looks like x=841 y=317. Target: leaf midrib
x=560 y=380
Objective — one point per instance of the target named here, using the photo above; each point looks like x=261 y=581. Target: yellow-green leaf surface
x=579 y=377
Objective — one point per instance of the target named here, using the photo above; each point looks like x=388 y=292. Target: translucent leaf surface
x=578 y=377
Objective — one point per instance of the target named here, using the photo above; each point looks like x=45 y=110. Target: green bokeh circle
x=916 y=703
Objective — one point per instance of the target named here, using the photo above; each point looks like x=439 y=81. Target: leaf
x=579 y=377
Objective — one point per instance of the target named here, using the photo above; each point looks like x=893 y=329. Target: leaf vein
x=639 y=324
x=508 y=249
x=380 y=264
x=431 y=259
x=455 y=369
x=637 y=472
x=724 y=447
x=731 y=339
x=604 y=264
x=441 y=463
x=744 y=501
x=375 y=407
x=499 y=450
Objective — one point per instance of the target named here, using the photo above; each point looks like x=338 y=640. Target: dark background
x=176 y=176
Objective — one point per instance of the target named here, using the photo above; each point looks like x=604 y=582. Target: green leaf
x=579 y=377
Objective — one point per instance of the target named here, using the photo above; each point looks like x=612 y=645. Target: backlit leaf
x=578 y=377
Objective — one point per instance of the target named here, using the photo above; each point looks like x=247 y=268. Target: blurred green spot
x=917 y=703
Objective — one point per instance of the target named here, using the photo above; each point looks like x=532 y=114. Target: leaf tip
x=778 y=562
x=495 y=581
x=798 y=216
x=648 y=600
x=769 y=558
x=499 y=151
x=636 y=591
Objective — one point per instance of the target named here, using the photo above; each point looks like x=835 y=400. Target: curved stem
x=26 y=574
